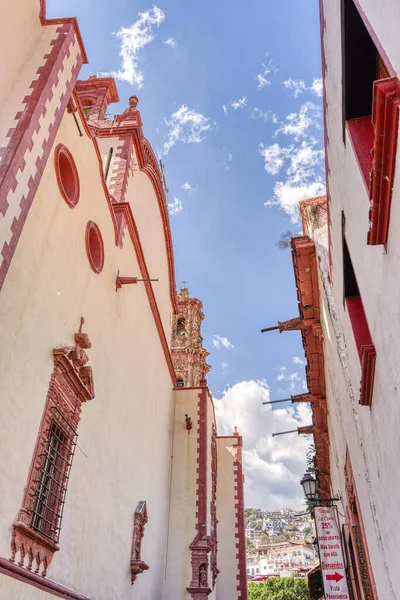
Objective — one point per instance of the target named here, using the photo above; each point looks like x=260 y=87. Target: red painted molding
x=354 y=518
x=28 y=121
x=306 y=278
x=361 y=134
x=240 y=535
x=119 y=174
x=64 y=21
x=385 y=118
x=55 y=589
x=67 y=175
x=71 y=384
x=130 y=123
x=124 y=216
x=98 y=92
x=201 y=546
x=368 y=359
x=359 y=323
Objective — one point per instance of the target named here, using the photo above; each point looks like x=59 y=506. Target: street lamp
x=309 y=486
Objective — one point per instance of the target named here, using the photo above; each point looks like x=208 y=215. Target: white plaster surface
x=125 y=433
x=371 y=434
x=226 y=512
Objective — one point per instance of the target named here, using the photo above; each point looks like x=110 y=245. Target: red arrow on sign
x=335 y=577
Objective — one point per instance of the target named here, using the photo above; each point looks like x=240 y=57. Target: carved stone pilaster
x=140 y=520
x=199 y=586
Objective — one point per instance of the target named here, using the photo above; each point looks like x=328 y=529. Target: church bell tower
x=188 y=354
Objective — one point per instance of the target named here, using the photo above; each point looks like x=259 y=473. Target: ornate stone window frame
x=71 y=384
x=139 y=522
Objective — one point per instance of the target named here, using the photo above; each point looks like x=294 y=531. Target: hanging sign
x=333 y=568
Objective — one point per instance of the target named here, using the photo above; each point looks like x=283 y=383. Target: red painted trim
x=385 y=117
x=201 y=482
x=124 y=214
x=375 y=39
x=64 y=174
x=64 y=21
x=90 y=135
x=240 y=535
x=148 y=164
x=361 y=134
x=306 y=277
x=94 y=247
x=119 y=175
x=71 y=384
x=55 y=589
x=368 y=359
x=354 y=517
x=359 y=323
x=29 y=121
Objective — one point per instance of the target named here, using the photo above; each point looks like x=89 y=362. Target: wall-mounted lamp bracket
x=120 y=281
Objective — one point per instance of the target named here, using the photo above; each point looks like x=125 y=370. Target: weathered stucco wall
x=182 y=521
x=125 y=432
x=370 y=433
x=226 y=511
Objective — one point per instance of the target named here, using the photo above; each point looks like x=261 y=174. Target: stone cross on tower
x=188 y=354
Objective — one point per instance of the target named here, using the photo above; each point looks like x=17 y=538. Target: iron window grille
x=51 y=484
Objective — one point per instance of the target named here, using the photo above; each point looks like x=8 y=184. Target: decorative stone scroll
x=71 y=384
x=140 y=520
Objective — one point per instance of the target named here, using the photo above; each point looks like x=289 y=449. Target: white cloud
x=273 y=466
x=227 y=160
x=296 y=360
x=297 y=86
x=266 y=69
x=316 y=87
x=302 y=180
x=170 y=42
x=224 y=109
x=303 y=160
x=188 y=188
x=241 y=103
x=287 y=195
x=274 y=157
x=262 y=79
x=295 y=384
x=225 y=367
x=298 y=124
x=221 y=342
x=268 y=115
x=133 y=39
x=175 y=207
x=186 y=126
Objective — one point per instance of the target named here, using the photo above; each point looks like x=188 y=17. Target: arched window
x=87 y=106
x=180 y=383
x=181 y=326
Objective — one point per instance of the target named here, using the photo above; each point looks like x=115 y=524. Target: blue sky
x=230 y=97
